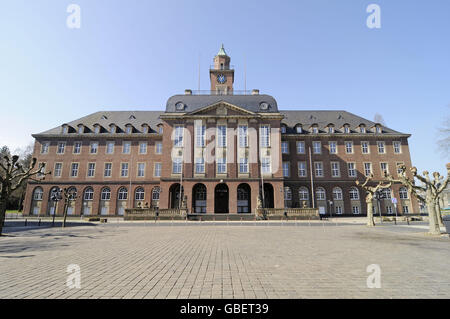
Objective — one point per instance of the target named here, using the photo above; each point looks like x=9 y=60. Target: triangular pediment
x=222 y=108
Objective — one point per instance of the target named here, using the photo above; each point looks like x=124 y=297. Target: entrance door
x=221 y=199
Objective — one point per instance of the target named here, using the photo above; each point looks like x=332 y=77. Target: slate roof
x=195 y=102
x=322 y=118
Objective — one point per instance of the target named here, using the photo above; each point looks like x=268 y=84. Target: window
x=365 y=147
x=349 y=147
x=160 y=129
x=108 y=170
x=243 y=136
x=139 y=194
x=179 y=130
x=405 y=209
x=88 y=194
x=332 y=147
x=77 y=147
x=265 y=165
x=243 y=165
x=200 y=131
x=317 y=147
x=287 y=193
x=283 y=129
x=362 y=129
x=123 y=194
x=397 y=147
x=315 y=129
x=301 y=147
x=129 y=129
x=44 y=147
x=355 y=210
x=113 y=129
x=389 y=210
x=386 y=193
x=65 y=129
x=91 y=169
x=106 y=194
x=378 y=129
x=143 y=148
x=330 y=129
x=124 y=169
x=335 y=169
x=284 y=147
x=320 y=193
x=94 y=147
x=80 y=129
x=351 y=169
x=126 y=147
x=221 y=136
x=399 y=165
x=367 y=169
x=58 y=170
x=155 y=193
x=158 y=147
x=157 y=170
x=303 y=193
x=61 y=147
x=140 y=169
x=199 y=165
x=346 y=129
x=354 y=193
x=286 y=169
x=318 y=169
x=74 y=170
x=96 y=129
x=381 y=148
x=302 y=169
x=337 y=193
x=109 y=147
x=403 y=192
x=264 y=133
x=222 y=165
x=145 y=129
x=384 y=168
x=299 y=129
x=338 y=210
x=177 y=165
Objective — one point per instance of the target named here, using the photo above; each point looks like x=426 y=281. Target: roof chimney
x=255 y=92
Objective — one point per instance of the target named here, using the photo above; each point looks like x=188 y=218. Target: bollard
x=39 y=222
x=241 y=221
x=26 y=221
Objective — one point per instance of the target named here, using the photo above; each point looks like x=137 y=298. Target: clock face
x=221 y=78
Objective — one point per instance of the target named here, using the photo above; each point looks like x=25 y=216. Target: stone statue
x=184 y=202
x=370 y=192
x=259 y=202
x=304 y=204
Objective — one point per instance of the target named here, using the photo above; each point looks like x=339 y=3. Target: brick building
x=218 y=151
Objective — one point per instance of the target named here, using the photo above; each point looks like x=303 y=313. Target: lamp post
x=55 y=196
x=379 y=195
x=330 y=203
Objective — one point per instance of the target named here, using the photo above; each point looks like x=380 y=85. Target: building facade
x=224 y=152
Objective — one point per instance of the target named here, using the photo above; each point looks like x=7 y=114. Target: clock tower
x=221 y=75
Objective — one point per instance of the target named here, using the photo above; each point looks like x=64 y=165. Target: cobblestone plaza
x=220 y=260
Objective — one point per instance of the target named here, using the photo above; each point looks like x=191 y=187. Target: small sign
x=394 y=200
x=321 y=210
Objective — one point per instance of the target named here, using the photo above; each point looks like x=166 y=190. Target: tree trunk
x=66 y=206
x=370 y=221
x=434 y=224
x=2 y=214
x=438 y=214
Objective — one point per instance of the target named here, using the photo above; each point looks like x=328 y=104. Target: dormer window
x=264 y=106
x=299 y=129
x=283 y=129
x=315 y=130
x=160 y=129
x=362 y=129
x=132 y=117
x=65 y=129
x=113 y=129
x=80 y=129
x=378 y=129
x=179 y=106
x=97 y=129
x=129 y=129
x=145 y=129
x=346 y=129
x=330 y=129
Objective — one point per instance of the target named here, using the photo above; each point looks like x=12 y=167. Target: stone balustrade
x=298 y=213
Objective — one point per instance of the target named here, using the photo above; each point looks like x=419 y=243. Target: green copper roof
x=222 y=51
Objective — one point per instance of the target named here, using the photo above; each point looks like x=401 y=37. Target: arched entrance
x=175 y=196
x=268 y=196
x=243 y=199
x=199 y=199
x=51 y=206
x=221 y=199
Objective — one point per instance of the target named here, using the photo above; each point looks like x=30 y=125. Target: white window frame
x=300 y=145
x=301 y=169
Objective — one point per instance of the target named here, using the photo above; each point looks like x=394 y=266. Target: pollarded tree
x=14 y=175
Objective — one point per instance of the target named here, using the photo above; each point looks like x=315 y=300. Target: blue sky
x=316 y=54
